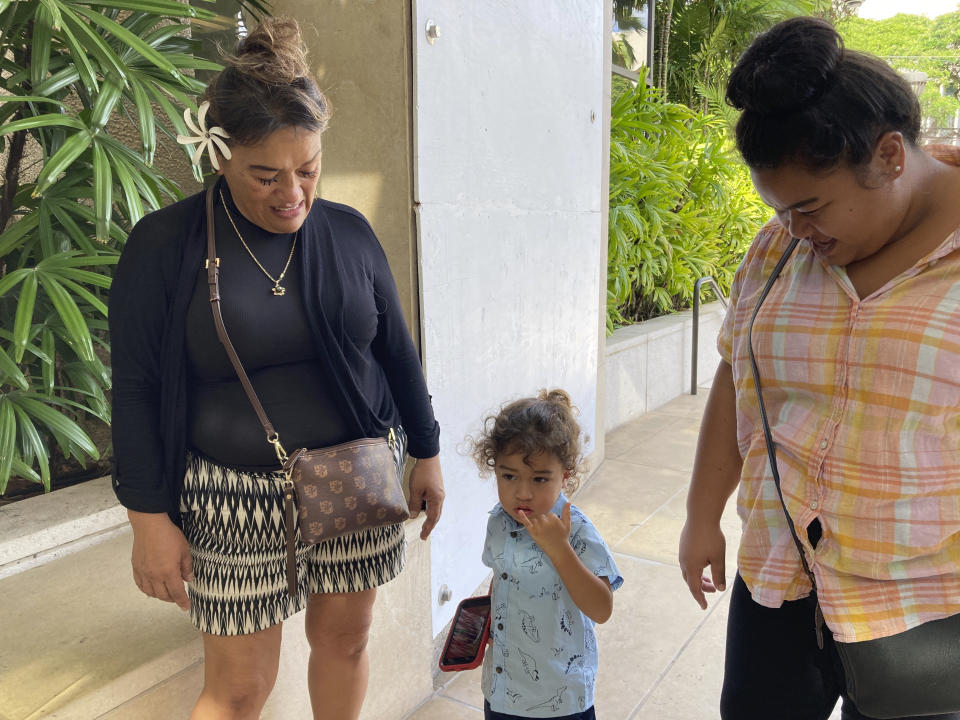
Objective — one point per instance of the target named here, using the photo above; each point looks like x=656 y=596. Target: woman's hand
x=702 y=545
x=716 y=474
x=426 y=490
x=161 y=558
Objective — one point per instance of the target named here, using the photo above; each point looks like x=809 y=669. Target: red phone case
x=465 y=621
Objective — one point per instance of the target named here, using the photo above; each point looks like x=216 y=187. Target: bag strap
x=768 y=436
x=213 y=281
x=289 y=508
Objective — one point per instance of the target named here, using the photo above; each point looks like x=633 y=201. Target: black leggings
x=774 y=669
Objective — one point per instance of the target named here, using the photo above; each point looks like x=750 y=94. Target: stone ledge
x=648 y=364
x=78 y=634
x=632 y=335
x=45 y=527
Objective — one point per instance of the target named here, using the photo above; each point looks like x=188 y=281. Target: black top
x=332 y=360
x=271 y=335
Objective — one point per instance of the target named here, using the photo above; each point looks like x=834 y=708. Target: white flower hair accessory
x=206 y=137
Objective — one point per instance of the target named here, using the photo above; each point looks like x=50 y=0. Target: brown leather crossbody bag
x=327 y=492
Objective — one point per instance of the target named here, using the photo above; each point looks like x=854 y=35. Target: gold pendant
x=279 y=290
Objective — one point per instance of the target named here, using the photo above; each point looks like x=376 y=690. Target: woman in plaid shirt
x=858 y=346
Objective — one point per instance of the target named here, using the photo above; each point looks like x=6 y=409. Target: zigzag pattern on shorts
x=233 y=521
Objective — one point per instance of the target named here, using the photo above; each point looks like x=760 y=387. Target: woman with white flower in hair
x=313 y=313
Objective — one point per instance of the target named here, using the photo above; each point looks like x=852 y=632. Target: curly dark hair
x=531 y=425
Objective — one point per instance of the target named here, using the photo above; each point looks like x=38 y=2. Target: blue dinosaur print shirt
x=544 y=657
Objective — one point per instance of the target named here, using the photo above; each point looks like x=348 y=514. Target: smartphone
x=468 y=635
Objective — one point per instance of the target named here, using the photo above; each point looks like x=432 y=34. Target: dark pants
x=774 y=669
x=489 y=714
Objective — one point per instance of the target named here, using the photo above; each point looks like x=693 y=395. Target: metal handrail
x=696 y=324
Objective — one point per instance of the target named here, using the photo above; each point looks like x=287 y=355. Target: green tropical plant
x=681 y=206
x=914 y=42
x=73 y=73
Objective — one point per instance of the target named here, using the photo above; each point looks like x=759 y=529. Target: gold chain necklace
x=278 y=289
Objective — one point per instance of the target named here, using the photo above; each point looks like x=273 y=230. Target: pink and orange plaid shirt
x=863 y=397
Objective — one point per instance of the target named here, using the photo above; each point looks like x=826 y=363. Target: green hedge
x=681 y=206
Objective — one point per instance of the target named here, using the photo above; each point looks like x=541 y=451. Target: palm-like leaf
x=72 y=69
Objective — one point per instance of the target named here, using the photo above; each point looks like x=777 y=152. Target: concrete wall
x=641 y=362
x=509 y=145
x=360 y=55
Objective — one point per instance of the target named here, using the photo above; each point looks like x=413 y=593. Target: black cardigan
x=152 y=288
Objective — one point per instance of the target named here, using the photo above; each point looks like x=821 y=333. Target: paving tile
x=658 y=537
x=627 y=436
x=465 y=688
x=173 y=698
x=45 y=666
x=653 y=617
x=440 y=708
x=673 y=448
x=690 y=689
x=686 y=405
x=621 y=495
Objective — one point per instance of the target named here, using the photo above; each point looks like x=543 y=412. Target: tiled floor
x=661 y=656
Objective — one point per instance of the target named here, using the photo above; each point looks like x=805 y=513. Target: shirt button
x=513 y=533
x=823 y=444
x=814 y=505
x=499 y=669
x=503 y=576
x=499 y=626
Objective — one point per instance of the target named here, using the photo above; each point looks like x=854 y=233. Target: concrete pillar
x=360 y=55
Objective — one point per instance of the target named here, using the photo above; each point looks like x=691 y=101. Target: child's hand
x=550 y=532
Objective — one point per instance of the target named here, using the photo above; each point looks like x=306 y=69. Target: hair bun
x=273 y=53
x=788 y=66
x=556 y=396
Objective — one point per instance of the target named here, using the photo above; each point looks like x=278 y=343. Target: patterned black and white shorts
x=234 y=523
